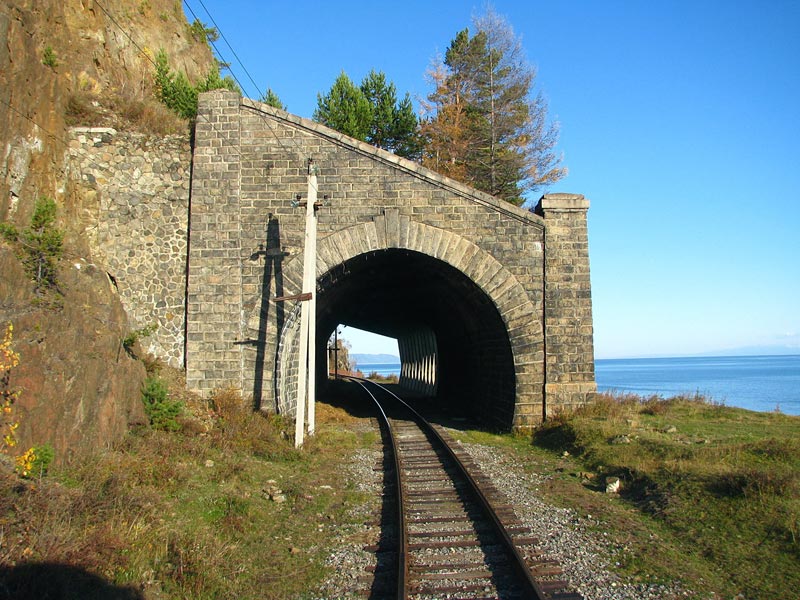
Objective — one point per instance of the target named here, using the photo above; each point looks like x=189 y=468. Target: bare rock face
x=79 y=388
x=51 y=50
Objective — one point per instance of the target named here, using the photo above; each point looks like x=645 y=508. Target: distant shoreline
x=715 y=354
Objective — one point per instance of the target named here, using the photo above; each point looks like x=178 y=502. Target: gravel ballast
x=586 y=556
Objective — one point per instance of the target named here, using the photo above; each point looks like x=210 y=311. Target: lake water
x=384 y=369
x=761 y=383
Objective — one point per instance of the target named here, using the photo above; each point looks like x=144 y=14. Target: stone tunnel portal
x=453 y=343
x=495 y=298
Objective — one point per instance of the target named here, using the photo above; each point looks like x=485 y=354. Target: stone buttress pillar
x=568 y=327
x=214 y=276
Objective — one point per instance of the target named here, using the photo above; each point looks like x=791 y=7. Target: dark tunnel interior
x=395 y=292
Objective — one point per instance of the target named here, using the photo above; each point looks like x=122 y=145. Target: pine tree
x=371 y=113
x=272 y=99
x=485 y=126
x=345 y=109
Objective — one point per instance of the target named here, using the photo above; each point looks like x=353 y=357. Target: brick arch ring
x=512 y=302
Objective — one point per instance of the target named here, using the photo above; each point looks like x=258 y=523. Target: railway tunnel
x=490 y=303
x=454 y=347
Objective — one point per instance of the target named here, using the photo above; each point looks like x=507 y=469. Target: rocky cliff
x=58 y=58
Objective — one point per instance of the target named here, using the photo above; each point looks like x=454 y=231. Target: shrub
x=177 y=92
x=160 y=409
x=8 y=396
x=201 y=33
x=130 y=340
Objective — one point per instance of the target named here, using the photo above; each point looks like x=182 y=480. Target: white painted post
x=311 y=284
x=305 y=381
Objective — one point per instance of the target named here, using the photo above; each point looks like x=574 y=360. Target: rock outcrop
x=79 y=387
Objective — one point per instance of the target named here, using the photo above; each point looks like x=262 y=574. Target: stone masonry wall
x=363 y=183
x=569 y=334
x=134 y=193
x=251 y=161
x=216 y=258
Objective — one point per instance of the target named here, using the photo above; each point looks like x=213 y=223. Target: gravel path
x=584 y=555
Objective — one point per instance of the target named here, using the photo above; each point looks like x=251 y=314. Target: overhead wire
x=66 y=143
x=149 y=58
x=214 y=46
x=222 y=35
x=300 y=150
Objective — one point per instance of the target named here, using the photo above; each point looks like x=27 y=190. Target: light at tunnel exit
x=366 y=342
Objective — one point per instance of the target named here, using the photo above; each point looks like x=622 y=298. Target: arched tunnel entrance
x=453 y=342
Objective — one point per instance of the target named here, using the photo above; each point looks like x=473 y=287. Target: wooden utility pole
x=306 y=382
x=336 y=353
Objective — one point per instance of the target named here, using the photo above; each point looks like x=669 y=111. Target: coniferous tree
x=371 y=113
x=382 y=98
x=272 y=99
x=345 y=109
x=406 y=138
x=485 y=126
x=176 y=91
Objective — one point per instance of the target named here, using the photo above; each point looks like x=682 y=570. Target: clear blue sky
x=680 y=121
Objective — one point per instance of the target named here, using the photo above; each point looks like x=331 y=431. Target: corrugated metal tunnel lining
x=453 y=343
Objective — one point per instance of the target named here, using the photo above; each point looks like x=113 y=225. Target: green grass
x=188 y=514
x=711 y=494
x=713 y=502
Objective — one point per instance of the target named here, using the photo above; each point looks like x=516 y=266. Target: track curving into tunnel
x=453 y=342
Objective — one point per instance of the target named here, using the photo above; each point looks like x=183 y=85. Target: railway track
x=450 y=533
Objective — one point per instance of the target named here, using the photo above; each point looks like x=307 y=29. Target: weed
x=80 y=110
x=130 y=340
x=145 y=115
x=375 y=376
x=262 y=435
x=722 y=483
x=49 y=58
x=757 y=483
x=35 y=462
x=186 y=516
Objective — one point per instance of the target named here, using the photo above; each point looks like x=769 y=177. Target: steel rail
x=402 y=537
x=532 y=589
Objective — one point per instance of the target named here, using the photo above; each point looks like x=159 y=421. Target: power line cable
x=149 y=58
x=214 y=46
x=222 y=35
x=300 y=150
